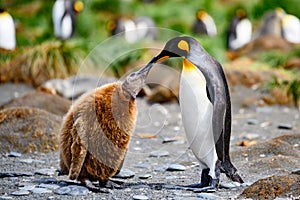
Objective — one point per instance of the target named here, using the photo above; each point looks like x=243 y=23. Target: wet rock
x=25 y=130
x=21 y=193
x=27 y=187
x=41 y=191
x=14 y=174
x=285 y=126
x=274 y=186
x=159 y=153
x=52 y=103
x=75 y=86
x=46 y=180
x=145 y=176
x=140 y=197
x=13 y=154
x=46 y=172
x=72 y=190
x=124 y=174
x=176 y=167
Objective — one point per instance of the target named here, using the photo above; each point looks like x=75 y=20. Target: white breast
x=243 y=34
x=7 y=32
x=196 y=110
x=57 y=14
x=291 y=28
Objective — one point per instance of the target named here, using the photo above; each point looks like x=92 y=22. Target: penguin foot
x=111 y=184
x=213 y=187
x=89 y=185
x=231 y=171
x=205 y=180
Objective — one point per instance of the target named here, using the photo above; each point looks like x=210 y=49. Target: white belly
x=196 y=110
x=7 y=32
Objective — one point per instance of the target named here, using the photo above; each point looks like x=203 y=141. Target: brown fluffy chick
x=96 y=130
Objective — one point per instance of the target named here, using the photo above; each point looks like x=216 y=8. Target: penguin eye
x=184 y=45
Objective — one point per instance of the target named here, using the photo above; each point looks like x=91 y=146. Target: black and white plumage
x=206 y=110
x=63 y=16
x=7 y=31
x=133 y=30
x=204 y=24
x=239 y=32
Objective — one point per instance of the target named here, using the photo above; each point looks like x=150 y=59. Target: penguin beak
x=145 y=70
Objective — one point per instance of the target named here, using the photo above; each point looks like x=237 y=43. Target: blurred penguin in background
x=133 y=30
x=7 y=31
x=290 y=28
x=271 y=23
x=63 y=16
x=204 y=24
x=240 y=31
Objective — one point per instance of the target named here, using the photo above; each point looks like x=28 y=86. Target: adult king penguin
x=7 y=31
x=63 y=16
x=240 y=31
x=206 y=109
x=204 y=24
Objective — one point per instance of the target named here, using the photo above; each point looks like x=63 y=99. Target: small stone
x=160 y=169
x=161 y=153
x=173 y=139
x=28 y=161
x=14 y=174
x=27 y=187
x=285 y=126
x=72 y=190
x=45 y=172
x=49 y=186
x=124 y=174
x=208 y=196
x=230 y=185
x=296 y=171
x=176 y=167
x=145 y=176
x=252 y=121
x=251 y=136
x=140 y=197
x=41 y=191
x=5 y=197
x=13 y=154
x=173 y=187
x=21 y=193
x=246 y=184
x=262 y=155
x=143 y=166
x=46 y=180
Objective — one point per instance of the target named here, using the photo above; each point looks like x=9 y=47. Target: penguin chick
x=7 y=31
x=240 y=31
x=63 y=16
x=205 y=24
x=96 y=130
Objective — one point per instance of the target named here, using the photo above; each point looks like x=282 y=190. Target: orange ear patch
x=187 y=65
x=183 y=45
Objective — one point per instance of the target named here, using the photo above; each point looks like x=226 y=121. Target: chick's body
x=96 y=132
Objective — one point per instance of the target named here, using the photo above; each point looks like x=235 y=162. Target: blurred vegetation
x=34 y=27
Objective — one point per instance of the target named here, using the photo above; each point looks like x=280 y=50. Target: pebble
x=173 y=139
x=208 y=196
x=49 y=186
x=27 y=187
x=72 y=190
x=252 y=121
x=230 y=185
x=143 y=166
x=285 y=126
x=145 y=176
x=140 y=197
x=13 y=154
x=296 y=171
x=41 y=191
x=160 y=169
x=159 y=153
x=251 y=136
x=124 y=174
x=4 y=197
x=46 y=180
x=46 y=172
x=21 y=193
x=15 y=174
x=176 y=167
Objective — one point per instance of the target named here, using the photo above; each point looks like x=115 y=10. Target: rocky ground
x=265 y=147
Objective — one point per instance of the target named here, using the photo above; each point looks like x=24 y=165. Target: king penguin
x=7 y=31
x=206 y=109
x=63 y=16
x=204 y=24
x=240 y=31
x=290 y=28
x=96 y=131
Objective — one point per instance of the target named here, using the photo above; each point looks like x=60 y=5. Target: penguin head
x=78 y=6
x=201 y=14
x=183 y=46
x=240 y=13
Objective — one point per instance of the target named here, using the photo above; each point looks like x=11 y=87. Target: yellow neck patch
x=183 y=45
x=187 y=65
x=4 y=14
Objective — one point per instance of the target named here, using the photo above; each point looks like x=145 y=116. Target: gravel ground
x=159 y=130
